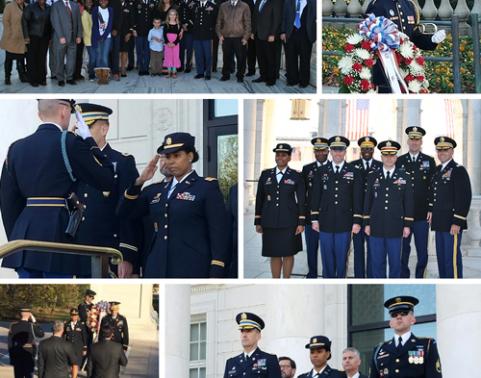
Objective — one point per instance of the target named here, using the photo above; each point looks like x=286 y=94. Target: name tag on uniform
x=186 y=196
x=289 y=182
x=209 y=9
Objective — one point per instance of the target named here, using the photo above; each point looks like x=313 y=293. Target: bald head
x=51 y=110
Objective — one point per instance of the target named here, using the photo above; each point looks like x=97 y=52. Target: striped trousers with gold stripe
x=448 y=252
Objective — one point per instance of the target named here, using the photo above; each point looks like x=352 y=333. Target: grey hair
x=353 y=350
x=57 y=326
x=48 y=107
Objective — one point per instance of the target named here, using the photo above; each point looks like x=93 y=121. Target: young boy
x=156 y=44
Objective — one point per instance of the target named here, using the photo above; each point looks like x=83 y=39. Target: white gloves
x=82 y=128
x=33 y=318
x=439 y=36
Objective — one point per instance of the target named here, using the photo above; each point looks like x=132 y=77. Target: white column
x=298 y=312
x=250 y=136
x=458 y=319
x=473 y=161
x=177 y=330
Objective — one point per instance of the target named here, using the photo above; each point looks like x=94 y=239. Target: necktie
x=399 y=343
x=367 y=166
x=248 y=359
x=279 y=176
x=261 y=5
x=337 y=169
x=172 y=188
x=388 y=175
x=68 y=7
x=297 y=21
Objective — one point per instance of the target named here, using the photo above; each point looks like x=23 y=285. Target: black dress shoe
x=270 y=83
x=250 y=73
x=258 y=80
x=207 y=77
x=71 y=82
x=130 y=68
x=80 y=77
x=43 y=82
x=187 y=70
x=61 y=83
x=53 y=77
x=240 y=80
x=34 y=84
x=303 y=85
x=123 y=75
x=8 y=81
x=199 y=76
x=291 y=84
x=224 y=78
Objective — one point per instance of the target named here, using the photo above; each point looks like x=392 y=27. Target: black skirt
x=280 y=242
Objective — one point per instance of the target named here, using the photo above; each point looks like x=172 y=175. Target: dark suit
x=251 y=45
x=299 y=41
x=449 y=203
x=362 y=264
x=327 y=373
x=360 y=375
x=417 y=358
x=266 y=21
x=55 y=358
x=421 y=172
x=25 y=185
x=105 y=360
x=260 y=364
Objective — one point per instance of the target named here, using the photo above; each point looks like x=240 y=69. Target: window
x=368 y=322
x=198 y=344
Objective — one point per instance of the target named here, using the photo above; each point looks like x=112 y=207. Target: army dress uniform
x=34 y=186
x=280 y=209
x=120 y=328
x=22 y=348
x=311 y=236
x=328 y=372
x=76 y=334
x=388 y=208
x=191 y=225
x=142 y=14
x=321 y=342
x=406 y=15
x=449 y=203
x=186 y=43
x=421 y=169
x=204 y=17
x=360 y=241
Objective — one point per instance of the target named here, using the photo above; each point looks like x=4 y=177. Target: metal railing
x=455 y=59
x=96 y=253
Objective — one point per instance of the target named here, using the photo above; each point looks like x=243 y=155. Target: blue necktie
x=172 y=188
x=261 y=5
x=297 y=21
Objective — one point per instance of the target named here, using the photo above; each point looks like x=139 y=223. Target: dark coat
x=327 y=373
x=55 y=358
x=261 y=364
x=21 y=343
x=310 y=18
x=96 y=37
x=204 y=20
x=36 y=22
x=120 y=327
x=308 y=172
x=267 y=21
x=142 y=17
x=105 y=360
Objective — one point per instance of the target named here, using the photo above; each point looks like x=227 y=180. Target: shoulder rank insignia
x=126 y=154
x=210 y=179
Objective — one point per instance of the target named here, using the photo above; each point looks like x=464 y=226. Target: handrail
x=95 y=252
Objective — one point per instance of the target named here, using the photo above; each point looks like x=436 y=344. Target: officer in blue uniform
x=280 y=208
x=336 y=208
x=83 y=311
x=118 y=323
x=405 y=355
x=100 y=225
x=252 y=362
x=38 y=176
x=191 y=227
x=366 y=164
x=388 y=211
x=320 y=353
x=448 y=208
x=75 y=332
x=421 y=167
x=141 y=24
x=406 y=15
x=321 y=151
x=204 y=16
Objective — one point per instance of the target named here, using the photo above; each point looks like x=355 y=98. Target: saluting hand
x=356 y=228
x=148 y=172
x=125 y=269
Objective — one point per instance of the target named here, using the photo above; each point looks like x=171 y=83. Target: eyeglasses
x=402 y=313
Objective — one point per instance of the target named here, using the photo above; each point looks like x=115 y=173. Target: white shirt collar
x=391 y=171
x=278 y=170
x=414 y=156
x=445 y=164
x=405 y=337
x=250 y=353
x=357 y=375
x=341 y=165
x=314 y=372
x=319 y=164
x=102 y=148
x=175 y=181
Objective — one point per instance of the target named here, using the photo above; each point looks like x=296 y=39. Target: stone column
x=298 y=312
x=176 y=336
x=250 y=118
x=458 y=319
x=473 y=161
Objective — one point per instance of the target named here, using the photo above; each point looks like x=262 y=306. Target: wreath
x=379 y=41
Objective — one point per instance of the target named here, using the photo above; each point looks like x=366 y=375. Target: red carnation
x=357 y=67
x=369 y=63
x=399 y=58
x=420 y=78
x=366 y=45
x=348 y=80
x=420 y=60
x=409 y=78
x=348 y=47
x=365 y=85
x=408 y=61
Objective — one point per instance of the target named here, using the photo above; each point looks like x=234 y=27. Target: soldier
x=405 y=355
x=141 y=24
x=365 y=165
x=21 y=343
x=406 y=15
x=76 y=334
x=84 y=310
x=336 y=208
x=280 y=209
x=106 y=358
x=204 y=16
x=118 y=323
x=190 y=218
x=56 y=357
x=421 y=167
x=448 y=208
x=31 y=193
x=321 y=151
x=100 y=224
x=186 y=43
x=320 y=353
x=252 y=362
x=388 y=212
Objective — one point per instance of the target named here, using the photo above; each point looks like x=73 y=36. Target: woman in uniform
x=280 y=209
x=190 y=220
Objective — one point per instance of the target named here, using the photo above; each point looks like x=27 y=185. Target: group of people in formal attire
x=165 y=35
x=404 y=355
x=378 y=205
x=93 y=195
x=87 y=341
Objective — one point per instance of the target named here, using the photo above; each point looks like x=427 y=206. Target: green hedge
x=440 y=75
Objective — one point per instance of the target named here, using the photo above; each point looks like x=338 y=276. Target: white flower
x=354 y=39
x=365 y=73
x=406 y=50
x=415 y=68
x=345 y=64
x=414 y=86
x=361 y=53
